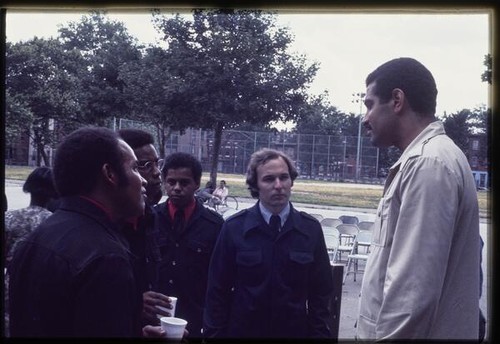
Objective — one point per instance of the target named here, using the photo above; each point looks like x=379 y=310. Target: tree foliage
x=104 y=45
x=156 y=94
x=219 y=70
x=41 y=87
x=238 y=69
x=318 y=116
x=487 y=74
x=456 y=127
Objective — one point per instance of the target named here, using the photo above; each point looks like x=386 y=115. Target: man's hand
x=150 y=301
x=149 y=331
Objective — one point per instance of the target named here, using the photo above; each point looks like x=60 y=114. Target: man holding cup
x=186 y=232
x=139 y=231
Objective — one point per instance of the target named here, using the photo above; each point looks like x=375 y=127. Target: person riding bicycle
x=206 y=193
x=220 y=194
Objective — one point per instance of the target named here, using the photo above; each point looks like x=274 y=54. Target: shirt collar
x=101 y=206
x=267 y=214
x=188 y=210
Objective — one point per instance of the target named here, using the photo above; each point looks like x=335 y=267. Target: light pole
x=359 y=97
x=343 y=165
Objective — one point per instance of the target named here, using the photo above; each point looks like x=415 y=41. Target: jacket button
x=173 y=262
x=171 y=281
x=199 y=250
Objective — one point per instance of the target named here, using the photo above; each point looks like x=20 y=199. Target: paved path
x=350 y=291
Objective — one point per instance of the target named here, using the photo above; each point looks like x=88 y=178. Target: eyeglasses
x=149 y=165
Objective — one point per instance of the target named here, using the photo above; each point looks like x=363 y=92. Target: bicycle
x=230 y=202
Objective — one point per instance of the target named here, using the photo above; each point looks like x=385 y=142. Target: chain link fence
x=317 y=157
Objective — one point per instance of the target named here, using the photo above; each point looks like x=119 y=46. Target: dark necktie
x=275 y=224
x=179 y=221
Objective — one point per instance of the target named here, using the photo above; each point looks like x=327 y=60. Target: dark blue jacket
x=260 y=287
x=183 y=269
x=145 y=254
x=73 y=277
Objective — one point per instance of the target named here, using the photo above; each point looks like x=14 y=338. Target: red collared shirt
x=99 y=205
x=133 y=221
x=188 y=211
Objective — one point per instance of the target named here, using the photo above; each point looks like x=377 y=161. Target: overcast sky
x=347 y=46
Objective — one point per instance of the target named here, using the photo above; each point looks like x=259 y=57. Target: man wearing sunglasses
x=139 y=233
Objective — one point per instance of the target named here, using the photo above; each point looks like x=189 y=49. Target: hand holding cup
x=167 y=310
x=151 y=303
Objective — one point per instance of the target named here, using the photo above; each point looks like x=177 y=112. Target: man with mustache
x=422 y=278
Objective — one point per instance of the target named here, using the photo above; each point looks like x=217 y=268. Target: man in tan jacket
x=422 y=278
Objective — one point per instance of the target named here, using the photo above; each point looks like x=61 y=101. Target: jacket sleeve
x=320 y=292
x=221 y=275
x=429 y=194
x=106 y=290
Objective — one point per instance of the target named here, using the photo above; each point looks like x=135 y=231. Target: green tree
x=323 y=122
x=104 y=46
x=486 y=76
x=238 y=69
x=480 y=124
x=479 y=120
x=17 y=115
x=40 y=91
x=155 y=94
x=457 y=128
x=318 y=116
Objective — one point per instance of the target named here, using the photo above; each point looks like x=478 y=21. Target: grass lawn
x=304 y=191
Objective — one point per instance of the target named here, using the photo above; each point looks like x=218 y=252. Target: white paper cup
x=174 y=327
x=173 y=302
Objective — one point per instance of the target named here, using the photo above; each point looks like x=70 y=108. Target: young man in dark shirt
x=186 y=233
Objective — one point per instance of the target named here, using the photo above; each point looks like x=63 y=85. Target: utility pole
x=358 y=98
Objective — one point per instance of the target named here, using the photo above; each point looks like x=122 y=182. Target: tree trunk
x=215 y=153
x=164 y=133
x=45 y=157
x=160 y=136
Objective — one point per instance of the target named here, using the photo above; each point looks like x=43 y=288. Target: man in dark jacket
x=186 y=233
x=73 y=277
x=139 y=231
x=270 y=274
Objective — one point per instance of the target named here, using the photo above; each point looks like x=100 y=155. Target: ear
x=398 y=98
x=109 y=175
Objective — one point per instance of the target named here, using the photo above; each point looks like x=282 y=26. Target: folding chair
x=365 y=225
x=332 y=242
x=364 y=240
x=355 y=256
x=330 y=222
x=347 y=239
x=319 y=217
x=349 y=219
x=331 y=231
